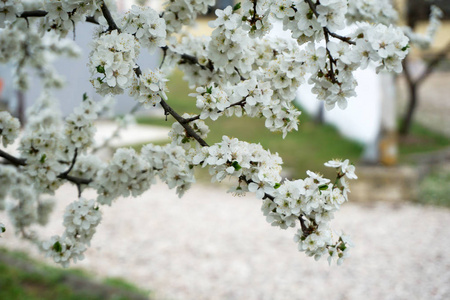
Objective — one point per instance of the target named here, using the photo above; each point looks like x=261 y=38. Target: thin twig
x=74 y=160
x=190 y=132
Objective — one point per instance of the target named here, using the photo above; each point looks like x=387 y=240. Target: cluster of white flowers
x=79 y=125
x=310 y=203
x=63 y=14
x=9 y=9
x=424 y=41
x=81 y=219
x=20 y=200
x=183 y=12
x=240 y=159
x=42 y=145
x=9 y=128
x=126 y=174
x=146 y=25
x=113 y=57
x=373 y=11
x=149 y=88
x=25 y=47
x=172 y=165
x=64 y=249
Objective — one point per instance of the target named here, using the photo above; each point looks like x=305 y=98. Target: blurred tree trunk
x=414 y=85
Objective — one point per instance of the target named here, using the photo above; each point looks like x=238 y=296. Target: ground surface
x=211 y=245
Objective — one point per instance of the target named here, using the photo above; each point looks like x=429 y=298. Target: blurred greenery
x=421 y=139
x=26 y=279
x=435 y=188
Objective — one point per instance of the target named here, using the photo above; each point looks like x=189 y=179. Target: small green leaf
x=101 y=69
x=406 y=48
x=57 y=247
x=209 y=90
x=277 y=185
x=237 y=6
x=43 y=158
x=323 y=187
x=236 y=165
x=2 y=228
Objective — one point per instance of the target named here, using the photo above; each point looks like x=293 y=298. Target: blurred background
x=211 y=245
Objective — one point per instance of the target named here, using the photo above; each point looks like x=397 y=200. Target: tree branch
x=439 y=57
x=13 y=160
x=33 y=13
x=181 y=120
x=43 y=13
x=76 y=180
x=74 y=160
x=107 y=14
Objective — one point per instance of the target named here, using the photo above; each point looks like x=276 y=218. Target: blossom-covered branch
x=239 y=70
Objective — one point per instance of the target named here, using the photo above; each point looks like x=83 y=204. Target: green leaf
x=236 y=165
x=237 y=6
x=43 y=158
x=277 y=185
x=57 y=247
x=3 y=229
x=323 y=187
x=209 y=90
x=406 y=48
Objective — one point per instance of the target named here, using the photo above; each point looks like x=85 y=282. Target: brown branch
x=33 y=13
x=164 y=49
x=433 y=63
x=74 y=160
x=43 y=13
x=107 y=14
x=240 y=103
x=13 y=160
x=187 y=58
x=22 y=162
x=190 y=132
x=345 y=39
x=407 y=73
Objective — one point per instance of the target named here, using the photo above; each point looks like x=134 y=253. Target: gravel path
x=211 y=245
